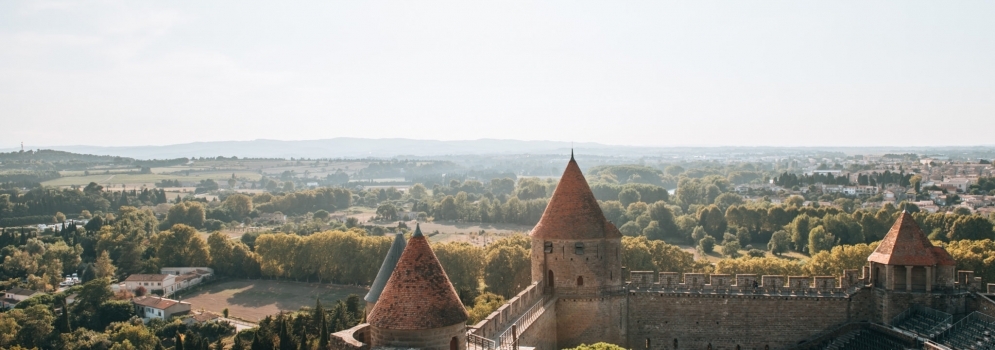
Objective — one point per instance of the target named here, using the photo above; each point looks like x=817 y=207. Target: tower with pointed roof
x=576 y=256
x=906 y=260
x=418 y=307
x=386 y=269
x=906 y=269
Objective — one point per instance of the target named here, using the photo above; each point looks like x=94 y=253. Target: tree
x=463 y=263
x=507 y=270
x=597 y=346
x=664 y=217
x=36 y=324
x=780 y=242
x=713 y=220
x=974 y=227
x=653 y=231
x=819 y=239
x=628 y=196
x=799 y=228
x=139 y=336
x=419 y=192
x=181 y=246
x=730 y=248
x=387 y=212
x=630 y=229
x=238 y=206
x=63 y=324
x=706 y=244
x=104 y=267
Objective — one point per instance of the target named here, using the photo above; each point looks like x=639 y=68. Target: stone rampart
x=502 y=318
x=662 y=319
x=646 y=281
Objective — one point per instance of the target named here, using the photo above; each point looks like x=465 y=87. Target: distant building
x=16 y=295
x=162 y=283
x=150 y=307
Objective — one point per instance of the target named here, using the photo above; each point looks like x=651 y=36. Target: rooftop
x=146 y=278
x=906 y=245
x=154 y=302
x=386 y=269
x=418 y=294
x=573 y=212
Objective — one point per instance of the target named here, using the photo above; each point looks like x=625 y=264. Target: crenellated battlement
x=741 y=283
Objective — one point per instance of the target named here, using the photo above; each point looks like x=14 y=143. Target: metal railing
x=509 y=338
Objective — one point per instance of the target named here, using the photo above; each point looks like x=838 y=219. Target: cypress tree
x=323 y=338
x=64 y=326
x=286 y=341
x=237 y=343
x=257 y=344
x=219 y=345
x=179 y=342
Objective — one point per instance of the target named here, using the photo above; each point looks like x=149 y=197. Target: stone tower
x=906 y=267
x=576 y=255
x=419 y=307
x=386 y=270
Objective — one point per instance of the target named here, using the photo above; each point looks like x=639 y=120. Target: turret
x=576 y=255
x=419 y=307
x=906 y=260
x=386 y=269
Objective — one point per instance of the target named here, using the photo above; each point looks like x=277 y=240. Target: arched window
x=675 y=343
x=580 y=281
x=454 y=344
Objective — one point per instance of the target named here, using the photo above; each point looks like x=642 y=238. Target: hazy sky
x=809 y=73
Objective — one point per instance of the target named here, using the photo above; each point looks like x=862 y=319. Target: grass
x=253 y=300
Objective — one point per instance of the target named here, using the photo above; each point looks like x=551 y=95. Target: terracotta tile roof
x=146 y=278
x=418 y=294
x=386 y=269
x=573 y=212
x=906 y=245
x=154 y=302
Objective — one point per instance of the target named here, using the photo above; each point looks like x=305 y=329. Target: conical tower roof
x=906 y=245
x=386 y=268
x=573 y=212
x=418 y=294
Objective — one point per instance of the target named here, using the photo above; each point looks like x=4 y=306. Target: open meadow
x=252 y=300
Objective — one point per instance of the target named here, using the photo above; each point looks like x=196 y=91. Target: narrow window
x=647 y=343
x=579 y=248
x=549 y=278
x=675 y=343
x=547 y=247
x=580 y=281
x=454 y=344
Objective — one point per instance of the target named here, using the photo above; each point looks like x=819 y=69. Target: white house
x=165 y=283
x=150 y=307
x=15 y=295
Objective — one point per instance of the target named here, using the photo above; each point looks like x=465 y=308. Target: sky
x=640 y=73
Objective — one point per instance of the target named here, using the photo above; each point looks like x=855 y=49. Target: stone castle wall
x=540 y=333
x=590 y=320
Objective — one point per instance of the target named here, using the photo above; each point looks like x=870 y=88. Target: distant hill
x=337 y=148
x=345 y=147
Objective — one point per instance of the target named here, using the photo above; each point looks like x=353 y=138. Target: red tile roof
x=906 y=245
x=573 y=212
x=418 y=294
x=154 y=302
x=146 y=278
